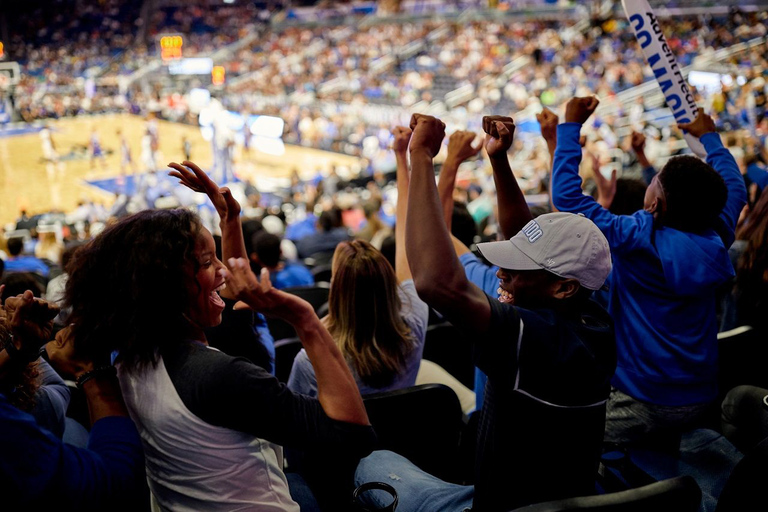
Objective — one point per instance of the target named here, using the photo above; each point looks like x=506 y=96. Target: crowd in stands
x=140 y=361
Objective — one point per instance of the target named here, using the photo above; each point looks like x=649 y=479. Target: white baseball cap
x=568 y=245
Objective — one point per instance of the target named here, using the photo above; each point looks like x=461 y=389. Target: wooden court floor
x=28 y=181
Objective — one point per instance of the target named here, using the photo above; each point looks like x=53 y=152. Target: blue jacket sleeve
x=622 y=231
x=723 y=162
x=479 y=274
x=266 y=338
x=40 y=468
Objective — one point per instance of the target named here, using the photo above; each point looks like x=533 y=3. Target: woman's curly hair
x=19 y=388
x=127 y=287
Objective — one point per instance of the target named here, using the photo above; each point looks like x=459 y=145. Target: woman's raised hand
x=193 y=177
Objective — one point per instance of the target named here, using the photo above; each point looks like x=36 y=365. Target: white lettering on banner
x=532 y=231
x=662 y=60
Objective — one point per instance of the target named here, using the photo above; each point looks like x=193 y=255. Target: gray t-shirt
x=414 y=312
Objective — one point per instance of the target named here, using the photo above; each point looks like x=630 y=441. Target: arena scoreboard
x=170 y=47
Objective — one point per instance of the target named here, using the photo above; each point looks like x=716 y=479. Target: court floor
x=28 y=181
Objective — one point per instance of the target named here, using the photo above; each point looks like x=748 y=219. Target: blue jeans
x=417 y=491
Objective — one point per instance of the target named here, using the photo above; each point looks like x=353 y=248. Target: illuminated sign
x=217 y=75
x=196 y=66
x=170 y=47
x=2 y=50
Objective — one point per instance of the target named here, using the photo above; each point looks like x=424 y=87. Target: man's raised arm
x=459 y=149
x=437 y=273
x=513 y=210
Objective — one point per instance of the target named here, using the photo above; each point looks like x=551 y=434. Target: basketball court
x=29 y=182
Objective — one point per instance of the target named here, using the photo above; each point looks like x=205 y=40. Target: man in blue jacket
x=668 y=260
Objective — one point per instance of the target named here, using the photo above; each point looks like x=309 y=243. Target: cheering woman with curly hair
x=212 y=426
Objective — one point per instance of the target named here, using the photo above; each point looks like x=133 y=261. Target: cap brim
x=506 y=255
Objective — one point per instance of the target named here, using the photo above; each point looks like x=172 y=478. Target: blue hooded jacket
x=662 y=296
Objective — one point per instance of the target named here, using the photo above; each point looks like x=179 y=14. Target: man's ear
x=658 y=208
x=566 y=288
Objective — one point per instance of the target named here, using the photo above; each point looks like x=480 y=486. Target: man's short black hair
x=695 y=194
x=267 y=248
x=15 y=245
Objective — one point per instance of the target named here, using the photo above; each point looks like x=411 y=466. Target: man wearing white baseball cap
x=566 y=245
x=548 y=351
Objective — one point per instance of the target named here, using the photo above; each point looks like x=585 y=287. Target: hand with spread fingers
x=499 y=132
x=259 y=295
x=703 y=124
x=428 y=134
x=578 y=110
x=191 y=176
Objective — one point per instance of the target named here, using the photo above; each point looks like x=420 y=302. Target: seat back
x=285 y=353
x=743 y=353
x=422 y=423
x=450 y=348
x=680 y=494
x=322 y=273
x=316 y=295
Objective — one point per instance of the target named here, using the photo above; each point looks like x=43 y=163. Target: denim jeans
x=417 y=491
x=631 y=422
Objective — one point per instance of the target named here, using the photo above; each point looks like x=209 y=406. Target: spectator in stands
x=547 y=350
x=375 y=230
x=54 y=292
x=18 y=262
x=374 y=313
x=212 y=425
x=330 y=233
x=669 y=260
x=751 y=290
x=48 y=247
x=16 y=283
x=38 y=471
x=756 y=172
x=283 y=274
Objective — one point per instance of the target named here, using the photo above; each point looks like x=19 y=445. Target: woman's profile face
x=206 y=305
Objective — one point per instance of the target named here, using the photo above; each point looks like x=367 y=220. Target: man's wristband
x=101 y=371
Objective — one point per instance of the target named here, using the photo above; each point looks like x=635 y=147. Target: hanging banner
x=662 y=60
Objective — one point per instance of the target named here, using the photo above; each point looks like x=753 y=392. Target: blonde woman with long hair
x=374 y=313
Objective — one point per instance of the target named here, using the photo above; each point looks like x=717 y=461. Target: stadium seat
x=448 y=347
x=742 y=357
x=318 y=258
x=285 y=353
x=422 y=423
x=322 y=273
x=680 y=494
x=316 y=295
